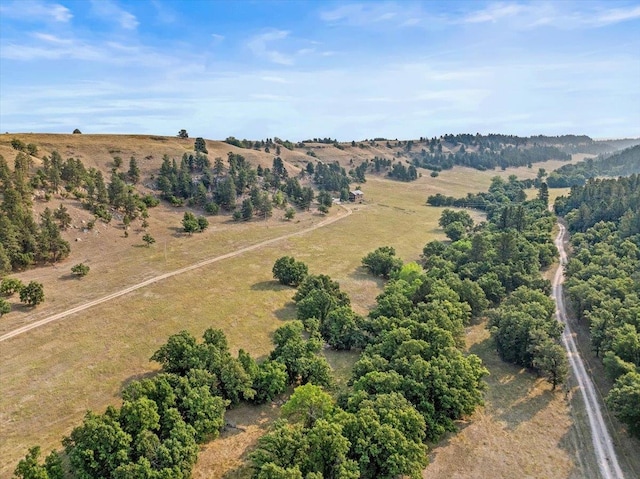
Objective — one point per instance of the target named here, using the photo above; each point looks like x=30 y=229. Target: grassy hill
x=53 y=374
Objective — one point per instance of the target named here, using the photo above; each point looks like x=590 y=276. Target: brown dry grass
x=52 y=375
x=524 y=430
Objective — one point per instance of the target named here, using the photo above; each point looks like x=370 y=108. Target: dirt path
x=155 y=279
x=602 y=443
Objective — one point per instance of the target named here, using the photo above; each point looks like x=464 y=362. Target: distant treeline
x=623 y=163
x=489 y=158
x=512 y=189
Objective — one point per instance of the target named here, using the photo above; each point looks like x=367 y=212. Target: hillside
x=51 y=380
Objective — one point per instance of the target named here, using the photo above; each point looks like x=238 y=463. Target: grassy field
x=50 y=376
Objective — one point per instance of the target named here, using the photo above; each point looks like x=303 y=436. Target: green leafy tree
x=32 y=294
x=190 y=223
x=5 y=307
x=80 y=269
x=307 y=404
x=203 y=223
x=289 y=213
x=10 y=286
x=382 y=261
x=98 y=446
x=270 y=381
x=551 y=360
x=288 y=271
x=30 y=467
x=623 y=399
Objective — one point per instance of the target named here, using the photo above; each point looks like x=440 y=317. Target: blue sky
x=300 y=70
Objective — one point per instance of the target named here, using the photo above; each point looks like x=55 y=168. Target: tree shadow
x=136 y=377
x=518 y=389
x=287 y=313
x=269 y=286
x=69 y=277
x=362 y=274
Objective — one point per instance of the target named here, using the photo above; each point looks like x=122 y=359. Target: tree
x=30 y=468
x=247 y=209
x=148 y=239
x=5 y=307
x=190 y=223
x=183 y=134
x=200 y=145
x=32 y=294
x=307 y=404
x=623 y=399
x=98 y=446
x=289 y=213
x=550 y=359
x=382 y=261
x=288 y=271
x=455 y=231
x=77 y=132
x=203 y=223
x=80 y=269
x=10 y=286
x=134 y=170
x=63 y=216
x=270 y=381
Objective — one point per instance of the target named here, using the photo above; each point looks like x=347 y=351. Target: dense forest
x=624 y=163
x=604 y=282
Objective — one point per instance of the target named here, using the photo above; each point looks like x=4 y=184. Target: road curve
x=602 y=443
x=155 y=279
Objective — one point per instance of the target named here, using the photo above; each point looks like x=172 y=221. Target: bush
x=10 y=286
x=32 y=294
x=80 y=269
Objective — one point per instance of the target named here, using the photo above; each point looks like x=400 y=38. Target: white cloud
x=494 y=12
x=558 y=15
x=109 y=9
x=367 y=14
x=34 y=10
x=259 y=46
x=217 y=37
x=46 y=37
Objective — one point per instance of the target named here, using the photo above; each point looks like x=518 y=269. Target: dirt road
x=602 y=443
x=155 y=279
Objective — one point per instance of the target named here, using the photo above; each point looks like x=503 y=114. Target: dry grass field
x=51 y=375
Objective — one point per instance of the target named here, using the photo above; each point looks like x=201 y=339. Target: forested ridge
x=603 y=282
x=623 y=163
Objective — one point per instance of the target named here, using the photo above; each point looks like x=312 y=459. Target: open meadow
x=52 y=375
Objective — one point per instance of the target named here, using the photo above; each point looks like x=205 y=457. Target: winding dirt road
x=602 y=443
x=155 y=279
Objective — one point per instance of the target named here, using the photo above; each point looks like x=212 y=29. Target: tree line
x=624 y=163
x=603 y=282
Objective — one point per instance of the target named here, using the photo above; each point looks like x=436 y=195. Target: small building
x=356 y=196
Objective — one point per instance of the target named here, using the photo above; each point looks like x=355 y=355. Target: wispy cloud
x=108 y=9
x=494 y=13
x=560 y=15
x=34 y=11
x=389 y=14
x=260 y=46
